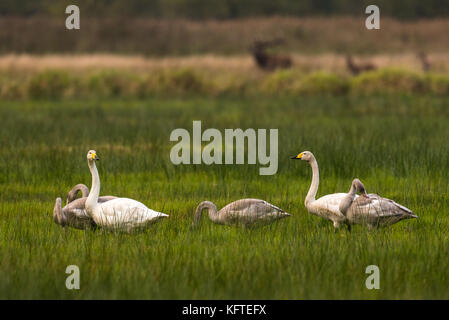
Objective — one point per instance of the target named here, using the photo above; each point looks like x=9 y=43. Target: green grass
x=397 y=145
x=59 y=84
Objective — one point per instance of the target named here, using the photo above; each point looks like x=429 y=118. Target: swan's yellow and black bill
x=298 y=157
x=95 y=157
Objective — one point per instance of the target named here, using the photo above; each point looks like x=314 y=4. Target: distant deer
x=355 y=69
x=424 y=61
x=268 y=61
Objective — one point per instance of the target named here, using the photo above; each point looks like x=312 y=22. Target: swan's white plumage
x=327 y=206
x=120 y=214
x=124 y=210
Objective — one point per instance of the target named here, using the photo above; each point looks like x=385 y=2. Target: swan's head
x=92 y=155
x=359 y=187
x=305 y=155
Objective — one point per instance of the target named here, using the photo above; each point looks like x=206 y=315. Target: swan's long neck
x=92 y=199
x=347 y=200
x=57 y=212
x=315 y=182
x=74 y=192
x=212 y=211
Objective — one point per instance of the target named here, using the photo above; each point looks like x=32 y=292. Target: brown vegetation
x=302 y=63
x=175 y=37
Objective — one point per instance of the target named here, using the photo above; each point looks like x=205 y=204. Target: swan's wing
x=390 y=206
x=253 y=205
x=272 y=207
x=329 y=204
x=119 y=206
x=106 y=198
x=263 y=208
x=124 y=209
x=239 y=205
x=251 y=209
x=378 y=206
x=362 y=201
x=79 y=205
x=77 y=209
x=331 y=199
x=76 y=216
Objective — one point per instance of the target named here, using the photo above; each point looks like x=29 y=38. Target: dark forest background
x=227 y=9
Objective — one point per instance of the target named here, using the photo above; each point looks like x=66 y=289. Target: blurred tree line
x=226 y=9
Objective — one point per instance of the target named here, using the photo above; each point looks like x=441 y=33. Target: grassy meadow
x=395 y=143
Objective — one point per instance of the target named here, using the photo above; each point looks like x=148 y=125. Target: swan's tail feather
x=410 y=213
x=159 y=215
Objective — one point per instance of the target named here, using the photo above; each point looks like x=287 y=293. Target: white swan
x=121 y=214
x=371 y=209
x=74 y=212
x=246 y=212
x=327 y=206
